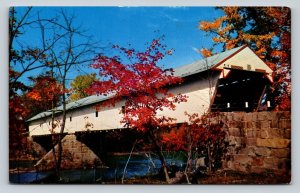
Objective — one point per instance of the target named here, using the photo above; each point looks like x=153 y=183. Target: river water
x=139 y=165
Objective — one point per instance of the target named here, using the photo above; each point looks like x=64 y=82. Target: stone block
x=257 y=161
x=287 y=133
x=264 y=134
x=84 y=151
x=36 y=147
x=271 y=163
x=251 y=133
x=234 y=132
x=231 y=140
x=84 y=148
x=276 y=133
x=247 y=151
x=262 y=151
x=238 y=116
x=286 y=114
x=248 y=124
x=241 y=167
x=231 y=124
x=285 y=124
x=258 y=169
x=229 y=117
x=230 y=165
x=238 y=141
x=73 y=153
x=235 y=124
x=256 y=124
x=248 y=117
x=77 y=157
x=274 y=115
x=274 y=143
x=251 y=141
x=242 y=159
x=271 y=133
x=244 y=124
x=254 y=116
x=231 y=150
x=263 y=116
x=284 y=164
x=281 y=153
x=200 y=162
x=274 y=123
x=265 y=124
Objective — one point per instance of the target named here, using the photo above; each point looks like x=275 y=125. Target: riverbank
x=218 y=177
x=139 y=170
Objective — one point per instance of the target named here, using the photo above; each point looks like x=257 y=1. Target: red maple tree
x=144 y=87
x=17 y=114
x=203 y=135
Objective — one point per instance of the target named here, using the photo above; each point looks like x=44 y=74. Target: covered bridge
x=234 y=80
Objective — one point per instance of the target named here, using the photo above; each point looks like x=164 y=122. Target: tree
x=45 y=92
x=62 y=47
x=76 y=49
x=267 y=31
x=144 y=87
x=203 y=135
x=80 y=85
x=23 y=59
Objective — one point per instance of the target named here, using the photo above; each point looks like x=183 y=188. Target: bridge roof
x=182 y=71
x=206 y=63
x=72 y=105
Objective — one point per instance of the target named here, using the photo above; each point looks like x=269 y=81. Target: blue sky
x=139 y=25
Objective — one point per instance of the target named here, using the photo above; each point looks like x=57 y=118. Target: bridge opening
x=47 y=141
x=240 y=91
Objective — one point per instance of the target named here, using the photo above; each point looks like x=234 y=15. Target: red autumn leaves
x=142 y=84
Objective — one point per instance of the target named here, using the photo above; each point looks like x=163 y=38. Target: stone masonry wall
x=75 y=155
x=258 y=141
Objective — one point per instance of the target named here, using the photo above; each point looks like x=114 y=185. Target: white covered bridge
x=233 y=80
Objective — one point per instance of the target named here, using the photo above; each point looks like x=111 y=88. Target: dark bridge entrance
x=240 y=91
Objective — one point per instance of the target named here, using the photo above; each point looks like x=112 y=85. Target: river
x=139 y=165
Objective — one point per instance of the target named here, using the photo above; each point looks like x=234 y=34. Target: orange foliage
x=232 y=13
x=44 y=92
x=45 y=89
x=206 y=53
x=267 y=31
x=206 y=26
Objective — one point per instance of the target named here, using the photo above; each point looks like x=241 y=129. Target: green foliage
x=80 y=84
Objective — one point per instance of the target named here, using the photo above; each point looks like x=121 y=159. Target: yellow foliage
x=205 y=53
x=214 y=25
x=231 y=12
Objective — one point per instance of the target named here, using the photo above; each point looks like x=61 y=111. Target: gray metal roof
x=182 y=71
x=72 y=105
x=204 y=64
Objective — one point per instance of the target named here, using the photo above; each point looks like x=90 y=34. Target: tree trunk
x=124 y=171
x=62 y=128
x=209 y=159
x=188 y=167
x=53 y=137
x=158 y=150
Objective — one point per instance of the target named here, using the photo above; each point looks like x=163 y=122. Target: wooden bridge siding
x=110 y=117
